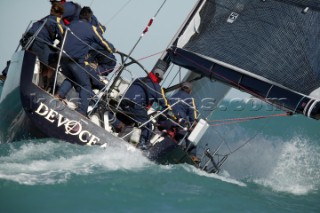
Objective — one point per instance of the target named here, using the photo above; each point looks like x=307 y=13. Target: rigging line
x=61 y=50
x=222 y=139
x=145 y=30
x=167 y=75
x=234 y=122
x=118 y=72
x=80 y=67
x=149 y=87
x=91 y=3
x=92 y=48
x=232 y=83
x=118 y=12
x=150 y=120
x=174 y=77
x=250 y=118
x=250 y=139
x=239 y=147
x=209 y=115
x=129 y=116
x=140 y=59
x=28 y=27
x=68 y=29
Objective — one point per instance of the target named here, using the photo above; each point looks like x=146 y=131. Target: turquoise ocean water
x=276 y=171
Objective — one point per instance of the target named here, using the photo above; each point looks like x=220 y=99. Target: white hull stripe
x=305 y=110
x=311 y=108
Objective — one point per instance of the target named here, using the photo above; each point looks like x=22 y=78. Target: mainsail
x=267 y=48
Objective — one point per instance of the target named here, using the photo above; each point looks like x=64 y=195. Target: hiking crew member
x=76 y=47
x=42 y=46
x=52 y=29
x=104 y=62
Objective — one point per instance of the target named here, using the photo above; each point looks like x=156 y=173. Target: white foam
x=297 y=169
x=223 y=175
x=284 y=166
x=50 y=163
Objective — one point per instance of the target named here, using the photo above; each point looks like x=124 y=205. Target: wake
x=48 y=162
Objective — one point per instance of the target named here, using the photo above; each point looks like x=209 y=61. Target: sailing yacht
x=266 y=48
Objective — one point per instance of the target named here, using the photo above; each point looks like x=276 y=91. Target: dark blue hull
x=14 y=124
x=36 y=113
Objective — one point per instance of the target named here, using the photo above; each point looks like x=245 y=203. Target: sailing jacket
x=143 y=92
x=86 y=34
x=53 y=29
x=184 y=109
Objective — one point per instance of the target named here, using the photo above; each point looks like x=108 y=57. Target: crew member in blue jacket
x=106 y=61
x=53 y=29
x=183 y=105
x=140 y=96
x=76 y=46
x=184 y=109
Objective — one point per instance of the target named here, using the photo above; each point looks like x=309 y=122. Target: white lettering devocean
x=71 y=127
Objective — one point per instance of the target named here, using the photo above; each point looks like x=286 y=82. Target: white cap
x=158 y=72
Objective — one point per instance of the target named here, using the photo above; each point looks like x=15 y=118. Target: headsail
x=267 y=48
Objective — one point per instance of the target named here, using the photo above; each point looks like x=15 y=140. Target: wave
x=43 y=162
x=224 y=176
x=297 y=169
x=49 y=162
x=281 y=153
x=290 y=166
